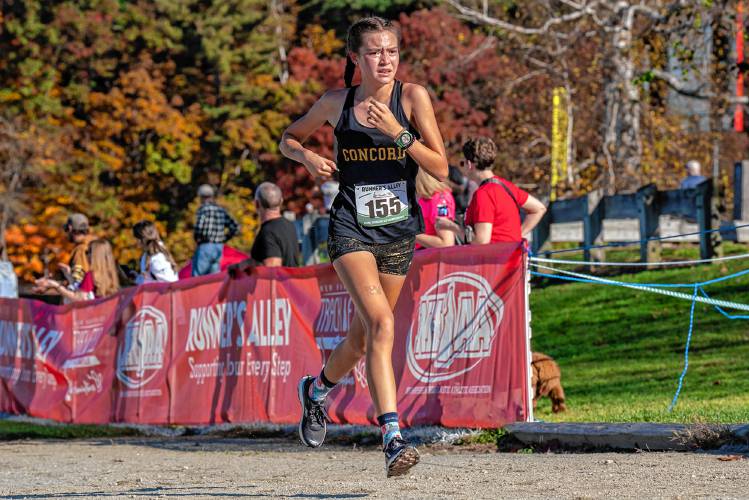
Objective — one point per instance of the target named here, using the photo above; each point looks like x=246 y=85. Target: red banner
x=218 y=349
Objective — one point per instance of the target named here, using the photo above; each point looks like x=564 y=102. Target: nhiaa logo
x=458 y=318
x=141 y=354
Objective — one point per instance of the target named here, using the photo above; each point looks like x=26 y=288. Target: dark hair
x=482 y=151
x=147 y=232
x=354 y=37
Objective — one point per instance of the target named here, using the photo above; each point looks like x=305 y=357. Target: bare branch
x=481 y=18
x=679 y=86
x=488 y=43
x=517 y=81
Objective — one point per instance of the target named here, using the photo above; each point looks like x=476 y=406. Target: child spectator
x=156 y=263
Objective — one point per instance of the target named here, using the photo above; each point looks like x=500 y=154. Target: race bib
x=381 y=204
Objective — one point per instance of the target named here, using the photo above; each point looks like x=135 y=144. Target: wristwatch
x=404 y=139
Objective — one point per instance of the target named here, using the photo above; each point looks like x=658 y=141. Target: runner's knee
x=358 y=346
x=381 y=329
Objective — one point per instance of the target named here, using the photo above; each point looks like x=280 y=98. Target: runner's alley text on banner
x=220 y=349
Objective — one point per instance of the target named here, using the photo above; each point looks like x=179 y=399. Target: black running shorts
x=392 y=258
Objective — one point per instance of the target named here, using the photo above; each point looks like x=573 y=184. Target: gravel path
x=279 y=468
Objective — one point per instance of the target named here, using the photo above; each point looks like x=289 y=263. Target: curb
x=631 y=436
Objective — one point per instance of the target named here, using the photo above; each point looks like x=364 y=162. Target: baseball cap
x=77 y=222
x=206 y=191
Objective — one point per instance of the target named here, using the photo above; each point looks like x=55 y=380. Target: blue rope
x=697 y=287
x=592 y=282
x=722 y=311
x=686 y=351
x=662 y=285
x=616 y=244
x=724 y=278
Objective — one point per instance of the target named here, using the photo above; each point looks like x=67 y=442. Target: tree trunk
x=622 y=147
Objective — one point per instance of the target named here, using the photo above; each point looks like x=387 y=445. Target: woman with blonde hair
x=436 y=200
x=156 y=263
x=101 y=280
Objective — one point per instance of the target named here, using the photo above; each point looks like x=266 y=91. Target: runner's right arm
x=326 y=109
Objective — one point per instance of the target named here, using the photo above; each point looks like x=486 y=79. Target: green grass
x=10 y=430
x=621 y=351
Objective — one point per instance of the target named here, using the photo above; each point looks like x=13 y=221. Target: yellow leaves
x=179 y=81
x=668 y=147
x=7 y=95
x=322 y=41
x=240 y=133
x=46 y=162
x=263 y=80
x=50 y=211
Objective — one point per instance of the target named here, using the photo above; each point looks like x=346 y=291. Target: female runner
x=374 y=219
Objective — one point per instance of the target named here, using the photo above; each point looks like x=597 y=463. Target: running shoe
x=400 y=456
x=313 y=424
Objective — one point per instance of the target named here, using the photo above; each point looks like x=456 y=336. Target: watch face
x=405 y=139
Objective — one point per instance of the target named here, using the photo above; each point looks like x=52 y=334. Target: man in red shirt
x=494 y=210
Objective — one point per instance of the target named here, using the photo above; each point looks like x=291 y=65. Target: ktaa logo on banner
x=458 y=318
x=141 y=354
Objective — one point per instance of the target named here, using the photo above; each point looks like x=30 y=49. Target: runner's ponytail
x=348 y=75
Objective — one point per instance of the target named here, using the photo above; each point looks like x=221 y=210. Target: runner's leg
x=358 y=272
x=348 y=352
x=313 y=390
x=352 y=348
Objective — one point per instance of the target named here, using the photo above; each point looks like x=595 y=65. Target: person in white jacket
x=156 y=263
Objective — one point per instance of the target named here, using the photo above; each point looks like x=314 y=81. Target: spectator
x=77 y=230
x=101 y=280
x=8 y=281
x=494 y=211
x=461 y=189
x=213 y=227
x=329 y=192
x=156 y=263
x=276 y=242
x=436 y=200
x=694 y=175
x=309 y=218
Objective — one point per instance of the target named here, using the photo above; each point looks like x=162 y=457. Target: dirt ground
x=280 y=468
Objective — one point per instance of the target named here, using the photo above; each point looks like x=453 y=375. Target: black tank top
x=376 y=202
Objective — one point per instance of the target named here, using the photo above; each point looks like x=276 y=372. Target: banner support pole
x=528 y=333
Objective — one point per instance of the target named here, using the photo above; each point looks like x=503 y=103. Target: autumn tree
x=150 y=99
x=548 y=34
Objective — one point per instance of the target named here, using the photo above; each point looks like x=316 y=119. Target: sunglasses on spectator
x=76 y=231
x=464 y=163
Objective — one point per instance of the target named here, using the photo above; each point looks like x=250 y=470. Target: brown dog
x=546 y=381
